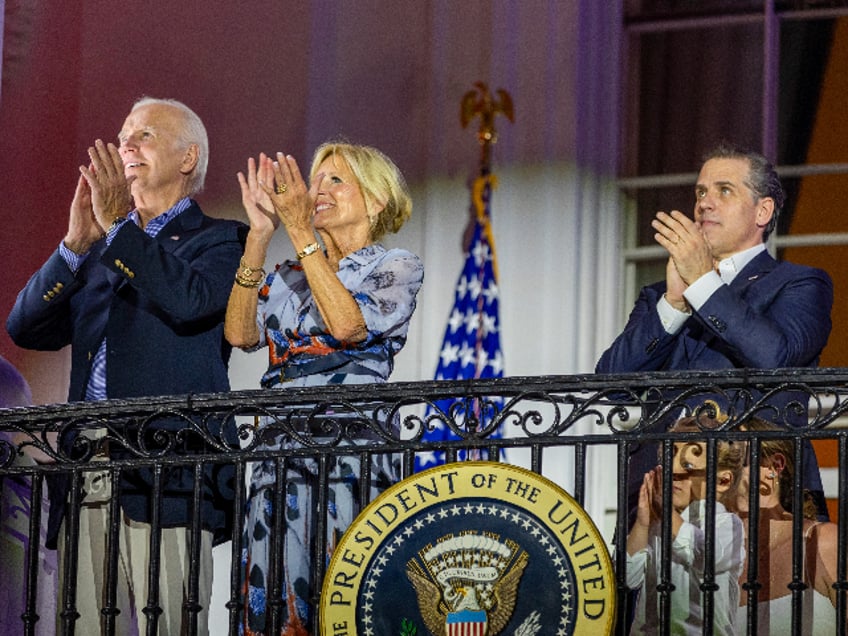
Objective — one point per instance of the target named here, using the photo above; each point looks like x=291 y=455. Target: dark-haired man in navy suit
x=139 y=289
x=726 y=303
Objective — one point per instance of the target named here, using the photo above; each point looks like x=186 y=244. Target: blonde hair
x=379 y=178
x=730 y=455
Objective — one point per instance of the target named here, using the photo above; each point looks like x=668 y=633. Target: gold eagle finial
x=480 y=101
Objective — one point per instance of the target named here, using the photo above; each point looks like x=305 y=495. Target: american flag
x=471 y=347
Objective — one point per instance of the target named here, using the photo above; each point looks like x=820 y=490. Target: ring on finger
x=280 y=188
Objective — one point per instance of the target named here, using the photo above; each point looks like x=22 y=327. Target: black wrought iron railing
x=541 y=422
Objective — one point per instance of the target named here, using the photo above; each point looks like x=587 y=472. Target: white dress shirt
x=687 y=573
x=700 y=291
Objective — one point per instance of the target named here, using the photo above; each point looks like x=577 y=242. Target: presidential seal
x=470 y=549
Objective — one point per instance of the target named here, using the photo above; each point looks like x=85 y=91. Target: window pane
x=650 y=201
x=649 y=272
x=691 y=89
x=815 y=205
x=811 y=101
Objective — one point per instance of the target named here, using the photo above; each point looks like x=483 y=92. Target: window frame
x=771 y=20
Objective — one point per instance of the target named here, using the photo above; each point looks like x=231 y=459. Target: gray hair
x=191 y=132
x=762 y=178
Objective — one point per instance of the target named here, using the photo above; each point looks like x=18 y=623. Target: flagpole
x=471 y=346
x=480 y=102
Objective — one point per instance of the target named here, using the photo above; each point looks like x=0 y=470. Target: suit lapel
x=697 y=337
x=174 y=233
x=758 y=268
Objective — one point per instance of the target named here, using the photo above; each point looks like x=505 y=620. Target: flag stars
x=497 y=365
x=472 y=321
x=490 y=324
x=467 y=355
x=455 y=321
x=482 y=359
x=450 y=354
x=474 y=288
x=480 y=252
x=425 y=458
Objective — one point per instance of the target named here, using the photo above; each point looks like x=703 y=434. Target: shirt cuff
x=113 y=230
x=700 y=291
x=636 y=565
x=73 y=260
x=672 y=319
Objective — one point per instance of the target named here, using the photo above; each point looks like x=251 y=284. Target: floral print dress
x=301 y=354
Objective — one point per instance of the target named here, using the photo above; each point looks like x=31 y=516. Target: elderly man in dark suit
x=139 y=288
x=726 y=303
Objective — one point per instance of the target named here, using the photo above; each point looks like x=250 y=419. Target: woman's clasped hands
x=275 y=192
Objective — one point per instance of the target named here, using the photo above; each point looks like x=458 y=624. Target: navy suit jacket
x=773 y=314
x=160 y=303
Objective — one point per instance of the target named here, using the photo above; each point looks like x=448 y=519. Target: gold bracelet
x=247 y=270
x=244 y=281
x=306 y=251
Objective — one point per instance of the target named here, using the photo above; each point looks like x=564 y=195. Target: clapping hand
x=294 y=203
x=650 y=498
x=256 y=201
x=110 y=189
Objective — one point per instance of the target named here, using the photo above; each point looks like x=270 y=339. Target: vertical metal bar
x=69 y=612
x=113 y=539
x=708 y=585
x=536 y=458
x=580 y=473
x=407 y=463
x=30 y=616
x=153 y=608
x=322 y=541
x=666 y=586
x=494 y=453
x=234 y=605
x=365 y=478
x=797 y=585
x=752 y=584
x=841 y=584
x=275 y=576
x=191 y=605
x=450 y=454
x=623 y=592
